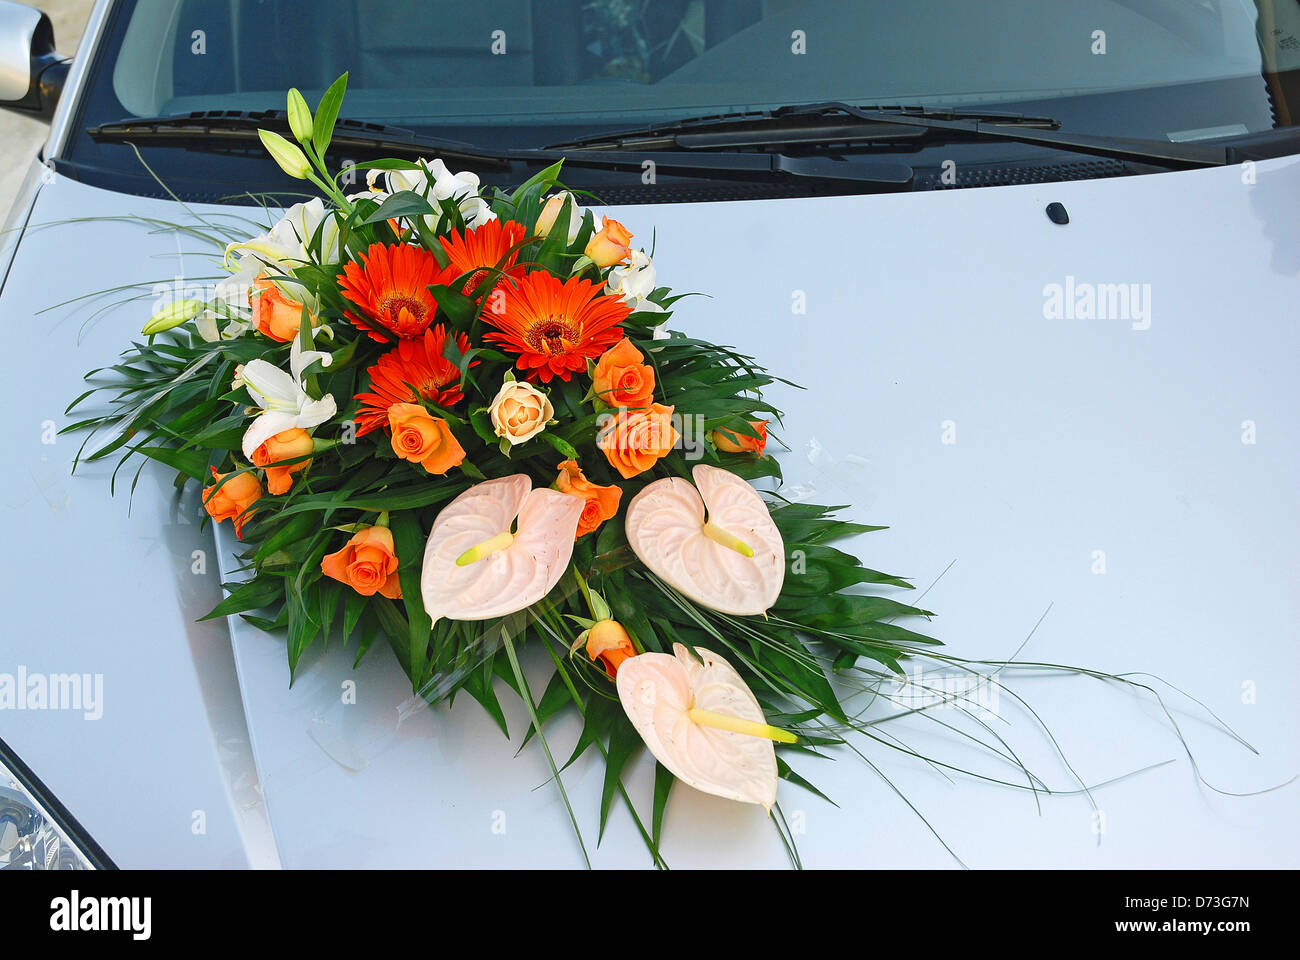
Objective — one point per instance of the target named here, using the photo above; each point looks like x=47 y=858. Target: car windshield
x=520 y=73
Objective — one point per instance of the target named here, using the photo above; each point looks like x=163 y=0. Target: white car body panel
x=924 y=316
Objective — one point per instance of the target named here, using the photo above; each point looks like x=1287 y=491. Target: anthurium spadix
x=284 y=402
x=717 y=544
x=497 y=548
x=701 y=721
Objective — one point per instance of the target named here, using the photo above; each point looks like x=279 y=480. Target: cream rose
x=520 y=411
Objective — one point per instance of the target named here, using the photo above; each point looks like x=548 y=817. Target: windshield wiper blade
x=238 y=126
x=833 y=122
x=756 y=127
x=886 y=174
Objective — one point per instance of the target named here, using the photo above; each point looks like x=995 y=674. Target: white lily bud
x=172 y=315
x=299 y=116
x=291 y=160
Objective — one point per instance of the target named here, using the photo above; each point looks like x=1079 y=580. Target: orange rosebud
x=551 y=210
x=602 y=502
x=638 y=438
x=423 y=438
x=285 y=445
x=733 y=441
x=275 y=314
x=234 y=498
x=609 y=246
x=367 y=563
x=621 y=379
x=609 y=644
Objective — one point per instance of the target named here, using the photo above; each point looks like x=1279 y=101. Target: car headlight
x=33 y=836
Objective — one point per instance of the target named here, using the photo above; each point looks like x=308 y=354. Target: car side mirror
x=31 y=72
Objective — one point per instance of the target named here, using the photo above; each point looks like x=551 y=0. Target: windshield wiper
x=833 y=123
x=239 y=126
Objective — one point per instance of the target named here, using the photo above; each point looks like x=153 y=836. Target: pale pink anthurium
x=701 y=721
x=497 y=548
x=718 y=544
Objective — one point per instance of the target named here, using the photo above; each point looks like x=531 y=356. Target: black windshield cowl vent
x=715 y=192
x=982 y=175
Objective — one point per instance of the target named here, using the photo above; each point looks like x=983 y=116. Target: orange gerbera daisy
x=391 y=287
x=486 y=246
x=554 y=327
x=412 y=371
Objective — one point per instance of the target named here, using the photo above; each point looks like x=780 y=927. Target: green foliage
x=170 y=399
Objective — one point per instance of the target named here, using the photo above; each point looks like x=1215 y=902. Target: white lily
x=284 y=402
x=233 y=291
x=633 y=283
x=276 y=252
x=462 y=187
x=206 y=325
x=372 y=180
x=285 y=245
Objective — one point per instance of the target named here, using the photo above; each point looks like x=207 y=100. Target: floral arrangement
x=456 y=419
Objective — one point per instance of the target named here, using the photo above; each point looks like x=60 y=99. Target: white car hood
x=1024 y=459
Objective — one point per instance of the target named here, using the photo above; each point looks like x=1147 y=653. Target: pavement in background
x=21 y=137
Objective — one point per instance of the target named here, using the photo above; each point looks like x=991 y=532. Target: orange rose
x=621 y=379
x=724 y=441
x=367 y=564
x=638 y=438
x=234 y=498
x=275 y=314
x=285 y=445
x=608 y=643
x=423 y=439
x=602 y=502
x=609 y=246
